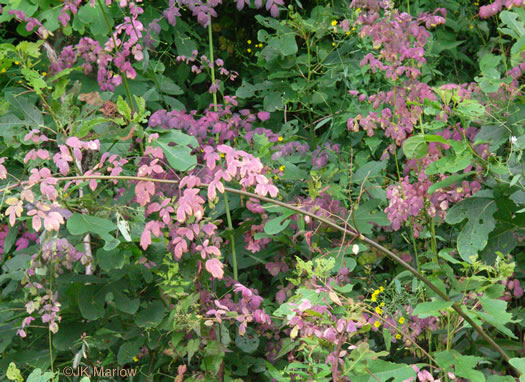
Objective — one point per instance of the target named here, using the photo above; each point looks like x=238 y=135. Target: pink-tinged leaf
x=215 y=267
x=145 y=239
x=36 y=223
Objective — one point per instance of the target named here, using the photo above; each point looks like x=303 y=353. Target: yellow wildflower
x=379 y=310
x=221 y=155
x=398 y=336
x=281 y=168
x=333 y=44
x=377 y=324
x=334 y=23
x=382 y=304
x=280 y=139
x=135 y=359
x=44 y=74
x=249 y=50
x=401 y=320
x=381 y=289
x=17 y=63
x=348 y=33
x=3 y=70
x=374 y=298
x=249 y=42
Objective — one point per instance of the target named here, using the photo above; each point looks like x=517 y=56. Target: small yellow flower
x=348 y=33
x=280 y=139
x=221 y=155
x=135 y=359
x=3 y=70
x=334 y=23
x=358 y=10
x=401 y=320
x=17 y=63
x=249 y=50
x=377 y=324
x=281 y=168
x=382 y=304
x=470 y=26
x=276 y=177
x=19 y=81
x=398 y=336
x=379 y=310
x=333 y=44
x=44 y=74
x=249 y=42
x=374 y=298
x=381 y=289
x=353 y=28
x=260 y=45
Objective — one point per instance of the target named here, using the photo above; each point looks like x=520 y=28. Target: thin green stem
x=352 y=232
x=232 y=239
x=433 y=240
x=212 y=59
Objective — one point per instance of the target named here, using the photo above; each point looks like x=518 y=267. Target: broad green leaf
x=461 y=365
x=13 y=374
x=278 y=224
x=247 y=343
x=91 y=301
x=368 y=171
x=86 y=126
x=519 y=363
x=176 y=136
x=516 y=28
x=448 y=181
x=123 y=108
x=431 y=308
x=151 y=316
x=108 y=260
x=37 y=376
x=128 y=350
x=366 y=214
x=495 y=313
x=415 y=147
x=384 y=371
x=179 y=157
x=480 y=222
x=80 y=224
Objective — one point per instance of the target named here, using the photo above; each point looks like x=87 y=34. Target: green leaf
x=128 y=350
x=123 y=108
x=495 y=313
x=368 y=171
x=516 y=28
x=169 y=87
x=247 y=343
x=79 y=224
x=431 y=309
x=480 y=222
x=366 y=214
x=179 y=157
x=519 y=363
x=13 y=374
x=86 y=126
x=176 y=136
x=35 y=80
x=108 y=260
x=462 y=365
x=91 y=301
x=385 y=371
x=276 y=225
x=448 y=181
x=37 y=376
x=415 y=147
x=151 y=316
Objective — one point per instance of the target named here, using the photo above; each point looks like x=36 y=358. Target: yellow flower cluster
x=376 y=293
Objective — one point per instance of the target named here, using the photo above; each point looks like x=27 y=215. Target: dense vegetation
x=261 y=190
